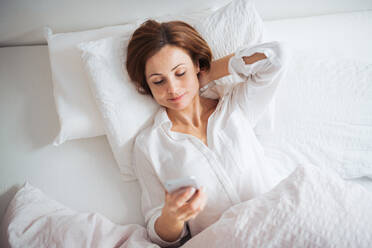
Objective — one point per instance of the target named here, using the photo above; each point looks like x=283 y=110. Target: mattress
x=82 y=174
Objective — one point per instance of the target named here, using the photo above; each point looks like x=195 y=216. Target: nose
x=173 y=87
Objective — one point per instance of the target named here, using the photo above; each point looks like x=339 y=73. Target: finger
x=175 y=194
x=193 y=206
x=167 y=196
x=179 y=198
x=196 y=203
x=197 y=193
x=185 y=214
x=170 y=199
x=191 y=217
x=180 y=191
x=188 y=216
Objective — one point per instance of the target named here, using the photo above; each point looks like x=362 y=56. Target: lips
x=177 y=98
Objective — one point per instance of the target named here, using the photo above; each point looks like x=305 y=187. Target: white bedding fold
x=310 y=208
x=34 y=220
x=313 y=207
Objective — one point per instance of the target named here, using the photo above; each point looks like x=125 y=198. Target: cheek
x=193 y=81
x=159 y=93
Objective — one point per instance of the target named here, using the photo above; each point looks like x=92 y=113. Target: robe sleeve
x=152 y=197
x=258 y=81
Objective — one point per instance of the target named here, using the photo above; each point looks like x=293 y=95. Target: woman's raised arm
x=219 y=67
x=257 y=69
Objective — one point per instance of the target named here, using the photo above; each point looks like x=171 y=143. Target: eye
x=158 y=82
x=181 y=74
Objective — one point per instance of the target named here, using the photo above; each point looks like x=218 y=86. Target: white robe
x=232 y=168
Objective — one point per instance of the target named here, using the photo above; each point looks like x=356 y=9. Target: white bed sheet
x=329 y=37
x=82 y=174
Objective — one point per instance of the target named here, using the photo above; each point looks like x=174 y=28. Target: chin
x=177 y=106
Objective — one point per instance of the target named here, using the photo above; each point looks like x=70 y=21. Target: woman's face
x=172 y=77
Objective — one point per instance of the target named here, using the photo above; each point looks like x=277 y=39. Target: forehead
x=166 y=59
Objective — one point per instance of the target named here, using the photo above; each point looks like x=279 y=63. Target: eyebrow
x=171 y=70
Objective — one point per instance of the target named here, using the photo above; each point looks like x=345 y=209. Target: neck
x=192 y=115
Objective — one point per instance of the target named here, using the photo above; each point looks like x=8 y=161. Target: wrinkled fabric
x=34 y=220
x=232 y=168
x=312 y=207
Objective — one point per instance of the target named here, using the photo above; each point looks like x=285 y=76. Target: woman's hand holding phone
x=184 y=198
x=180 y=206
x=184 y=204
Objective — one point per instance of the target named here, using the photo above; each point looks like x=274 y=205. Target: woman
x=192 y=135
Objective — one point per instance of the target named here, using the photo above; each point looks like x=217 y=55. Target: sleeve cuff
x=241 y=71
x=155 y=237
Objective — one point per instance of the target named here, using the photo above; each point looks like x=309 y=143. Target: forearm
x=168 y=230
x=219 y=68
x=272 y=56
x=253 y=58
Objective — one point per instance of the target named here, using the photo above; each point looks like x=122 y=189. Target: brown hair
x=151 y=36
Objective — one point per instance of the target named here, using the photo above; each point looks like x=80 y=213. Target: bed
x=83 y=175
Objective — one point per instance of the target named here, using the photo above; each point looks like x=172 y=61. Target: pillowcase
x=125 y=112
x=34 y=220
x=229 y=28
x=77 y=112
x=76 y=109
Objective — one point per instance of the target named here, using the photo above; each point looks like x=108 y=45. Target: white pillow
x=229 y=28
x=34 y=220
x=77 y=111
x=125 y=112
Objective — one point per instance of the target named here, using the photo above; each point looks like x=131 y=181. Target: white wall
x=22 y=21
x=271 y=9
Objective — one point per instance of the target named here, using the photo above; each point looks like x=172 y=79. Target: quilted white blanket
x=323 y=115
x=310 y=208
x=313 y=207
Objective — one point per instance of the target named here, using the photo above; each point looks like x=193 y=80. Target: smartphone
x=174 y=184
